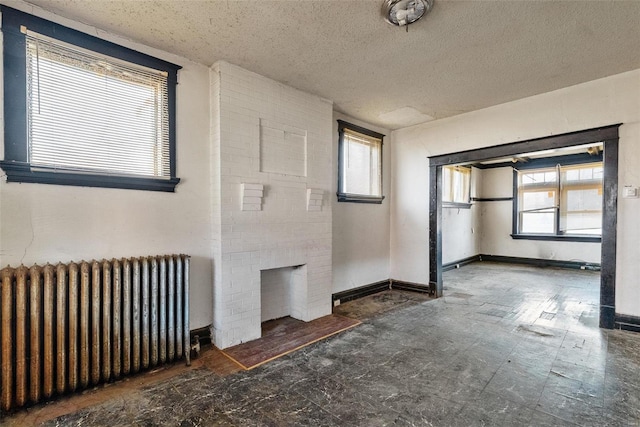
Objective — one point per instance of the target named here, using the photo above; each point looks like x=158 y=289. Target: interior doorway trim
x=608 y=135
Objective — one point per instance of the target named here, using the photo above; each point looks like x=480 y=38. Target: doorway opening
x=606 y=136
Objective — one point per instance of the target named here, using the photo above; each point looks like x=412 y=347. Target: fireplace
x=272 y=146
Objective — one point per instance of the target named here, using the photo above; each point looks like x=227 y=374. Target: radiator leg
x=6 y=314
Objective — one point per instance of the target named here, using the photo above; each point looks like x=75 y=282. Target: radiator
x=69 y=327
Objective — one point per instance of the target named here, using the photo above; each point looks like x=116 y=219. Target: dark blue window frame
x=357 y=198
x=573 y=159
x=16 y=160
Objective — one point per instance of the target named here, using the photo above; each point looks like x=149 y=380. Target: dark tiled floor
x=506 y=346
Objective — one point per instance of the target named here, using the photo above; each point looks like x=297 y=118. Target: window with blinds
x=95 y=113
x=89 y=112
x=360 y=164
x=562 y=200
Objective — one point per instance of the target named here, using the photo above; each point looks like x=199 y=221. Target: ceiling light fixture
x=405 y=12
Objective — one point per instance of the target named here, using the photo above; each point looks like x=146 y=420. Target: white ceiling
x=463 y=56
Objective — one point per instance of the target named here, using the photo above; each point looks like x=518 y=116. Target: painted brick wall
x=283 y=233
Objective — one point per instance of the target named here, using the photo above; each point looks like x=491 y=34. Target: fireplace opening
x=283 y=292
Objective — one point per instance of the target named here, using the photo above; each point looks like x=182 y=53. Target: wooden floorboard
x=282 y=336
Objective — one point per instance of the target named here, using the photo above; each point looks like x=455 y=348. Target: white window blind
x=93 y=113
x=456 y=184
x=362 y=169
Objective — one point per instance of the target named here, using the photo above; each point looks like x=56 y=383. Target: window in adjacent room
x=83 y=111
x=359 y=164
x=456 y=186
x=560 y=201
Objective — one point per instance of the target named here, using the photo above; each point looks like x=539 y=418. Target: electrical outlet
x=336 y=303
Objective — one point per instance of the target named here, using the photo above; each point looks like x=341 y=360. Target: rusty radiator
x=68 y=327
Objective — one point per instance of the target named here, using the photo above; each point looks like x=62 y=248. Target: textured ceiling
x=463 y=56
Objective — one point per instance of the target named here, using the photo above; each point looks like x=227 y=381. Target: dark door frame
x=608 y=135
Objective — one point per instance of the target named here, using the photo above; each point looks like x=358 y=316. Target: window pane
x=537 y=200
x=550 y=176
x=362 y=170
x=580 y=200
x=537 y=222
x=583 y=223
x=92 y=113
x=582 y=213
x=579 y=203
x=456 y=184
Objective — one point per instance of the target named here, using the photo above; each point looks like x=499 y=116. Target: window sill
x=456 y=205
x=360 y=198
x=20 y=172
x=562 y=238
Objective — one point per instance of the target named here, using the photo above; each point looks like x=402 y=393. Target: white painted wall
x=496 y=227
x=50 y=223
x=360 y=230
x=615 y=99
x=461 y=227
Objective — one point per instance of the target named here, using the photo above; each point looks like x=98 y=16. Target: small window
x=359 y=164
x=560 y=201
x=456 y=186
x=83 y=111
